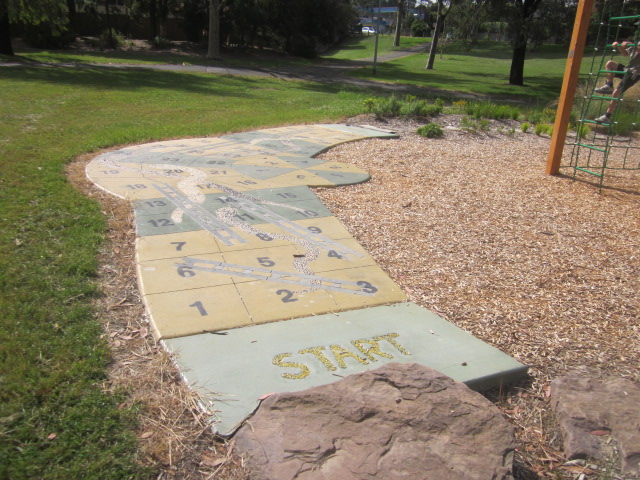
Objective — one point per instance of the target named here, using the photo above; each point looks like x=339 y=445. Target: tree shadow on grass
x=133 y=79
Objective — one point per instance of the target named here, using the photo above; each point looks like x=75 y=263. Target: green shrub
x=583 y=130
x=420 y=108
x=543 y=128
x=471 y=124
x=430 y=130
x=369 y=104
x=384 y=107
x=161 y=42
x=491 y=110
x=111 y=39
x=525 y=127
x=547 y=115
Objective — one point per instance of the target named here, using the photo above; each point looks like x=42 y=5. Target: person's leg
x=611 y=67
x=627 y=82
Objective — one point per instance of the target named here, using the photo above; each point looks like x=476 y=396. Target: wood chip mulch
x=545 y=268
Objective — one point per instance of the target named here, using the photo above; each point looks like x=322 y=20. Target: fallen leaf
x=52 y=436
x=600 y=433
x=212 y=462
x=146 y=435
x=577 y=469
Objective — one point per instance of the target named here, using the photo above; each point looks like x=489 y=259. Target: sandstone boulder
x=399 y=421
x=593 y=413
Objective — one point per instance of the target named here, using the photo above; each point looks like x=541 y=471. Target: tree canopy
x=54 y=13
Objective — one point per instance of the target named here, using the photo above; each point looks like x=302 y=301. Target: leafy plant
x=421 y=108
x=111 y=39
x=161 y=42
x=543 y=128
x=525 y=127
x=491 y=110
x=430 y=130
x=583 y=130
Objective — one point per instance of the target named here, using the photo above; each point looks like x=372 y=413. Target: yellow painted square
x=264 y=161
x=269 y=301
x=97 y=170
x=348 y=253
x=329 y=227
x=267 y=235
x=170 y=275
x=191 y=312
x=243 y=183
x=185 y=244
x=264 y=260
x=130 y=189
x=386 y=290
x=338 y=167
x=300 y=177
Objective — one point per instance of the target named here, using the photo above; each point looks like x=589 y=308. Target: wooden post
x=571 y=73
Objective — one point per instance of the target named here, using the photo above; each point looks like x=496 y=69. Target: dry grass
x=544 y=268
x=175 y=437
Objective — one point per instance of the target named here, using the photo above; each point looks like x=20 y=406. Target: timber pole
x=571 y=74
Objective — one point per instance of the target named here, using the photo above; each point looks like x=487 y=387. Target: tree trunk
x=399 y=15
x=213 y=50
x=108 y=15
x=527 y=9
x=516 y=74
x=71 y=7
x=153 y=20
x=436 y=35
x=5 y=34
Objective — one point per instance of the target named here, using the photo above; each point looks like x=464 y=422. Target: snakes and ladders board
x=230 y=237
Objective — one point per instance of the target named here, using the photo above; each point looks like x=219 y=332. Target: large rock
x=591 y=413
x=399 y=421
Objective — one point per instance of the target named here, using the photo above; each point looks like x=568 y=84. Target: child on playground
x=629 y=74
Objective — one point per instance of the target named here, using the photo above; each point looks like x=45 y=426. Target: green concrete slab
x=306 y=352
x=300 y=161
x=362 y=130
x=212 y=161
x=262 y=172
x=162 y=224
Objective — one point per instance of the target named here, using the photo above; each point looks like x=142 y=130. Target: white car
x=368 y=30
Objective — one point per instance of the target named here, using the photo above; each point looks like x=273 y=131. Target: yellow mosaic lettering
x=389 y=337
x=340 y=353
x=368 y=352
x=304 y=370
x=317 y=351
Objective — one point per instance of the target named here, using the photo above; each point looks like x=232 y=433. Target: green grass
x=56 y=422
x=354 y=48
x=483 y=70
x=361 y=47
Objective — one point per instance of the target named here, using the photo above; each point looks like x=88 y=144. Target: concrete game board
x=255 y=286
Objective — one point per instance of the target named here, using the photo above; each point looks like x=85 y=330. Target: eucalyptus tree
x=444 y=7
x=520 y=15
